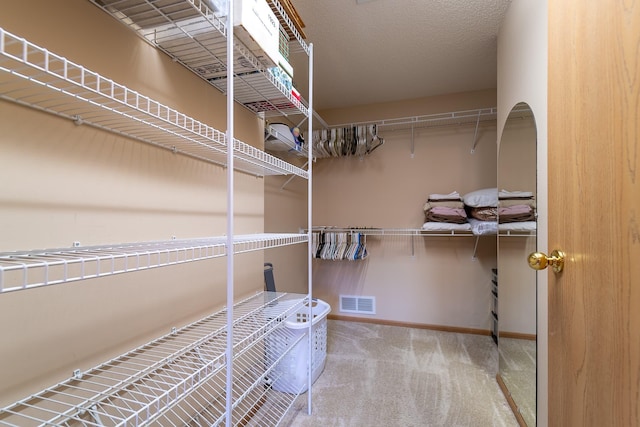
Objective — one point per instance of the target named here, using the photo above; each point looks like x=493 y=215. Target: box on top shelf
x=256 y=26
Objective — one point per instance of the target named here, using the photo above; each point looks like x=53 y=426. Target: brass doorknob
x=540 y=261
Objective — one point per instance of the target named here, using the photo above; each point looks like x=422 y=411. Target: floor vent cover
x=355 y=304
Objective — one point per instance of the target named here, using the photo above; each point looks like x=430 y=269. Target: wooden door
x=594 y=212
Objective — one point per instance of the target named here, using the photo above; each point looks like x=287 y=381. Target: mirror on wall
x=517 y=321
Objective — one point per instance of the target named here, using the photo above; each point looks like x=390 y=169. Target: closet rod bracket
x=413 y=147
x=474 y=257
x=413 y=249
x=475 y=135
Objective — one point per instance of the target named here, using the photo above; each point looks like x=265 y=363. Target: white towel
x=504 y=194
x=451 y=196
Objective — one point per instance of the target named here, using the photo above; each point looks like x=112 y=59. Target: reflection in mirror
x=516 y=281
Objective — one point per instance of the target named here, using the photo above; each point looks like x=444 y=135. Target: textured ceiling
x=389 y=50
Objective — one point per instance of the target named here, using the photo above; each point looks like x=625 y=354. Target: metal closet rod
x=411 y=232
x=437 y=119
x=454 y=118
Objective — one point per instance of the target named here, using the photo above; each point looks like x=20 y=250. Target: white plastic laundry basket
x=290 y=373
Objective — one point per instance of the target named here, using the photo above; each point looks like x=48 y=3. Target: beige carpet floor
x=378 y=375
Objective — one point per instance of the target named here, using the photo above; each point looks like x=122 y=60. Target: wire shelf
x=517 y=233
x=262 y=93
x=464 y=117
x=373 y=231
x=430 y=120
x=37 y=78
x=31 y=269
x=441 y=119
x=193 y=35
x=177 y=379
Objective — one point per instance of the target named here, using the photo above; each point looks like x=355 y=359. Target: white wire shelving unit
x=215 y=371
x=33 y=76
x=192 y=34
x=35 y=268
x=147 y=386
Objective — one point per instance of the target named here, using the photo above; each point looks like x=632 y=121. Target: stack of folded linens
x=516 y=206
x=447 y=208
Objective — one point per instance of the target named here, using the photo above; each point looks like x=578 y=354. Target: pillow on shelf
x=482 y=198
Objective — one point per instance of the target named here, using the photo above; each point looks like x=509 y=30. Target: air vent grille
x=357 y=304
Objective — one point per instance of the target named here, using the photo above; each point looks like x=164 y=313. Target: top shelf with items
x=194 y=33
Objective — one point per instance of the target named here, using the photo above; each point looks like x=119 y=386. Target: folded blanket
x=431 y=216
x=516 y=213
x=443 y=210
x=515 y=210
x=454 y=195
x=486 y=213
x=520 y=217
x=444 y=203
x=518 y=226
x=504 y=194
x=505 y=203
x=443 y=226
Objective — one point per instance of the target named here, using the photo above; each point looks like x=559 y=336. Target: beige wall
x=522 y=77
x=286 y=211
x=65 y=183
x=441 y=284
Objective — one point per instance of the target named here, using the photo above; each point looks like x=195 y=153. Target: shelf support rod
x=310 y=234
x=475 y=135
x=475 y=249
x=324 y=124
x=230 y=213
x=413 y=146
x=292 y=176
x=413 y=251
